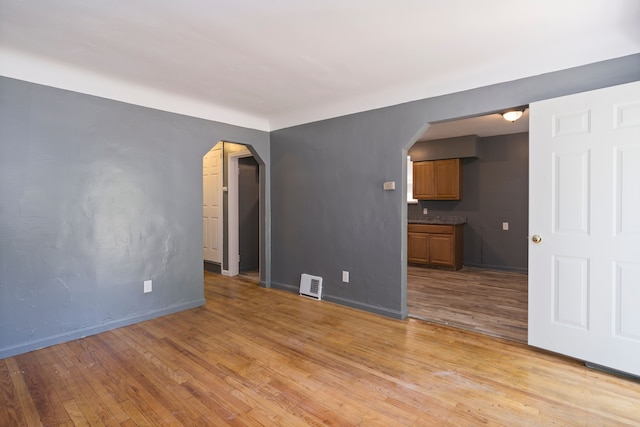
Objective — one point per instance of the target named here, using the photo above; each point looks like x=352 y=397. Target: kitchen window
x=410 y=198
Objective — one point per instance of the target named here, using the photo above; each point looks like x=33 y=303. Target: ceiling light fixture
x=512 y=115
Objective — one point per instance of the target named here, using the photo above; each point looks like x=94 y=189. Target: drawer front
x=430 y=228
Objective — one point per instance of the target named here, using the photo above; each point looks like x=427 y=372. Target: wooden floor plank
x=41 y=380
x=255 y=356
x=17 y=405
x=92 y=386
x=76 y=415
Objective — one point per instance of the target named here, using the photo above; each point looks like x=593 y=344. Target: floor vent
x=311 y=286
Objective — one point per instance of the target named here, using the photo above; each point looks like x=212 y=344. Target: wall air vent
x=311 y=286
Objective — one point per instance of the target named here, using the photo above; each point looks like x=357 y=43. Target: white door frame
x=233 y=232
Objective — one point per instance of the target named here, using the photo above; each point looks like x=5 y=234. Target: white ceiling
x=272 y=64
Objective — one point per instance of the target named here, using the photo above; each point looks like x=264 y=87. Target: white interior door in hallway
x=212 y=205
x=584 y=226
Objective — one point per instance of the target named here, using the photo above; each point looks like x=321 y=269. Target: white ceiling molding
x=43 y=71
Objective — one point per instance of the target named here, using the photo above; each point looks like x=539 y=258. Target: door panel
x=212 y=205
x=571 y=175
x=423 y=180
x=628 y=294
x=584 y=273
x=418 y=247
x=571 y=291
x=441 y=249
x=447 y=178
x=628 y=194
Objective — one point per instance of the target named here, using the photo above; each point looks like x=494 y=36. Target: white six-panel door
x=212 y=204
x=584 y=214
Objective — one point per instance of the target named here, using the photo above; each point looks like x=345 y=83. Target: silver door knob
x=536 y=239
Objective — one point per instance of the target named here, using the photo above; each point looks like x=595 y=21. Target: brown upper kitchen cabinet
x=437 y=180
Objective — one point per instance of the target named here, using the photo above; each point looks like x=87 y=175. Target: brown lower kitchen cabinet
x=436 y=245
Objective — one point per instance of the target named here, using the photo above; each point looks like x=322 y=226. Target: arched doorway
x=233 y=211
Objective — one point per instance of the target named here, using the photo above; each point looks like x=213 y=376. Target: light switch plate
x=389 y=185
x=345 y=276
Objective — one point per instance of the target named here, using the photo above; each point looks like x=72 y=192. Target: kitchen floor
x=485 y=301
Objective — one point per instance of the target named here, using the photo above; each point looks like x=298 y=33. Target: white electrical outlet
x=148 y=286
x=425 y=211
x=505 y=226
x=345 y=276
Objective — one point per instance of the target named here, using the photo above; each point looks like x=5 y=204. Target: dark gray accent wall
x=496 y=190
x=450 y=148
x=97 y=196
x=333 y=214
x=329 y=210
x=248 y=213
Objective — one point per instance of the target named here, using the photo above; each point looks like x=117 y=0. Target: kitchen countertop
x=439 y=220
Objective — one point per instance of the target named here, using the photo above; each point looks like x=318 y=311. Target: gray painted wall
x=95 y=197
x=496 y=190
x=329 y=210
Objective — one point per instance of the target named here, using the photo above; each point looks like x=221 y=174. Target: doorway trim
x=233 y=247
x=219 y=195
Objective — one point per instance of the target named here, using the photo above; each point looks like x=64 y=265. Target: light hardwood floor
x=486 y=301
x=255 y=356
